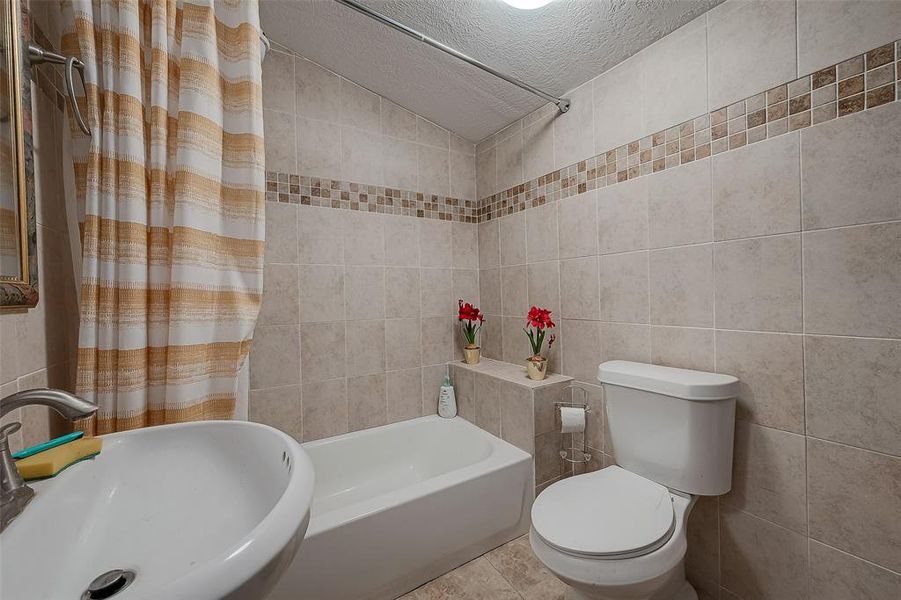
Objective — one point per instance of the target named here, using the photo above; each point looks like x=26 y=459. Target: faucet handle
x=6 y=431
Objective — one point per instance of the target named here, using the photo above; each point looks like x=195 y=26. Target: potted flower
x=471 y=319
x=538 y=322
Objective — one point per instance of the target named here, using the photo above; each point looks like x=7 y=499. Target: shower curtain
x=170 y=187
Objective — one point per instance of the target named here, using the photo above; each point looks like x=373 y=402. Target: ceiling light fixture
x=527 y=4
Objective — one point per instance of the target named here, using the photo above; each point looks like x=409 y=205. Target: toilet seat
x=609 y=514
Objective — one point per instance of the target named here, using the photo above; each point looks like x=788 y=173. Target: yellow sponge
x=50 y=462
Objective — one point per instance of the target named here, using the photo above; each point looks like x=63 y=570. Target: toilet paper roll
x=572 y=419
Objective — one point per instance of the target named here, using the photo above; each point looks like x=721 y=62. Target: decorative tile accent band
x=866 y=81
x=317 y=191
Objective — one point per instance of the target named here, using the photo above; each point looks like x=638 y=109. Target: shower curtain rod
x=563 y=104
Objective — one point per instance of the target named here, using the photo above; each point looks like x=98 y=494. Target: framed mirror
x=18 y=233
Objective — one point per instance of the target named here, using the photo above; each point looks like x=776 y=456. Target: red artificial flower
x=468 y=312
x=540 y=318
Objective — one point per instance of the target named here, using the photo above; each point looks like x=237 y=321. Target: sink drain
x=109 y=584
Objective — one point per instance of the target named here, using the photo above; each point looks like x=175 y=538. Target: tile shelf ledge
x=510 y=372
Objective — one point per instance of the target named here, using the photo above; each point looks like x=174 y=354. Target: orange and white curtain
x=172 y=188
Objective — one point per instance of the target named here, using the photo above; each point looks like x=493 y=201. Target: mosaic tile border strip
x=290 y=188
x=863 y=82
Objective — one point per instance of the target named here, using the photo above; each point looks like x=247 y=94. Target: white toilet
x=619 y=533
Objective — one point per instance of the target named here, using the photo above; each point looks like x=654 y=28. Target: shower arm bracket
x=38 y=55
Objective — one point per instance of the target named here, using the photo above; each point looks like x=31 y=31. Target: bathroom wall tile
x=683 y=347
x=516 y=416
x=541 y=233
x=278 y=82
x=623 y=217
x=320 y=235
x=281 y=233
x=487 y=403
x=318 y=148
x=618 y=96
x=543 y=404
x=462 y=176
x=437 y=293
x=829 y=32
x=514 y=291
x=404 y=394
x=519 y=565
x=853 y=157
x=702 y=558
x=365 y=347
x=465 y=240
x=490 y=291
x=509 y=161
x=770 y=372
x=582 y=349
x=9 y=359
x=403 y=349
x=854 y=501
x=624 y=341
x=278 y=407
x=324 y=409
x=434 y=170
x=574 y=130
x=316 y=91
x=512 y=238
x=466 y=286
x=548 y=464
x=514 y=343
x=624 y=287
x=751 y=46
x=538 y=148
x=366 y=402
x=852 y=391
x=579 y=288
x=401 y=241
x=846 y=269
x=435 y=243
x=756 y=189
x=431 y=134
x=364 y=243
x=577 y=226
x=398 y=121
x=432 y=376
x=361 y=156
x=464 y=391
x=675 y=77
x=758 y=283
x=359 y=107
x=458 y=144
x=399 y=164
x=544 y=285
x=322 y=351
x=365 y=291
x=679 y=206
x=682 y=286
x=402 y=292
x=489 y=245
x=280 y=304
x=761 y=560
x=278 y=129
x=268 y=367
x=486 y=173
x=437 y=336
x=835 y=575
x=769 y=475
x=321 y=293
x=492 y=337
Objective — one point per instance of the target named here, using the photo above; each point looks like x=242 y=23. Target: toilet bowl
x=619 y=533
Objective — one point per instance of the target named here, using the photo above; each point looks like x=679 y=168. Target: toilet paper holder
x=572 y=454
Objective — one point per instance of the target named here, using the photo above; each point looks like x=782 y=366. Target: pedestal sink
x=195 y=511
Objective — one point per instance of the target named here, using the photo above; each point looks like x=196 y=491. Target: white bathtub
x=398 y=505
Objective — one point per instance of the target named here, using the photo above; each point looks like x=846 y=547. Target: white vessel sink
x=195 y=511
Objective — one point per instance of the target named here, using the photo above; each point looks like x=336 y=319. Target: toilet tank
x=673 y=426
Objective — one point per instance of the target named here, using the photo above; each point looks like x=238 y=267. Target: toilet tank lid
x=669 y=381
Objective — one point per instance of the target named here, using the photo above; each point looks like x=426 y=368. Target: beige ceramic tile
x=318 y=148
x=316 y=91
x=359 y=107
x=770 y=371
x=618 y=94
x=321 y=293
x=512 y=236
x=466 y=286
x=625 y=341
x=465 y=237
x=432 y=376
x=509 y=161
x=437 y=293
x=280 y=302
x=319 y=235
x=683 y=347
x=622 y=217
x=490 y=291
x=579 y=288
x=362 y=156
x=435 y=243
x=399 y=164
x=538 y=149
x=582 y=349
x=679 y=206
x=487 y=403
x=758 y=283
x=682 y=286
x=462 y=176
x=492 y=337
x=852 y=391
x=268 y=367
x=324 y=409
x=431 y=134
x=519 y=566
x=434 y=170
x=364 y=242
x=397 y=121
x=515 y=345
x=703 y=554
x=836 y=575
x=278 y=82
x=624 y=287
x=279 y=408
x=489 y=245
x=404 y=391
x=514 y=291
x=577 y=226
x=516 y=416
x=365 y=347
x=364 y=288
x=322 y=351
x=854 y=501
x=403 y=348
x=281 y=233
x=476 y=580
x=278 y=129
x=458 y=144
x=437 y=340
x=366 y=402
x=402 y=292
x=544 y=285
x=850 y=268
x=541 y=233
x=401 y=241
x=486 y=173
x=574 y=130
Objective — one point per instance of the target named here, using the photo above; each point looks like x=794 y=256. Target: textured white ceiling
x=555 y=48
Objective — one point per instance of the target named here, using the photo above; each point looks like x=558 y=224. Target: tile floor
x=510 y=572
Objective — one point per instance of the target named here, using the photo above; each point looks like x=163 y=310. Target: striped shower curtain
x=171 y=189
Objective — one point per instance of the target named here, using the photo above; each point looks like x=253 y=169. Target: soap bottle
x=447 y=402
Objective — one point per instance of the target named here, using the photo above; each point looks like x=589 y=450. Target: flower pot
x=536 y=367
x=471 y=354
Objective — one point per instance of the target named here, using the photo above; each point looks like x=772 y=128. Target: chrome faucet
x=14 y=494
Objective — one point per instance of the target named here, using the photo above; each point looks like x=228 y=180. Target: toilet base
x=686 y=592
